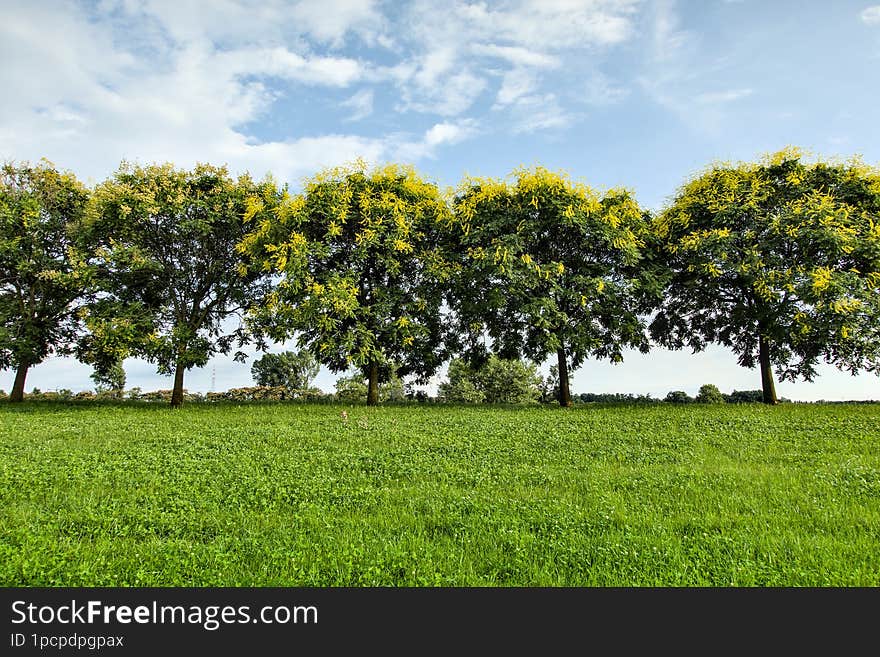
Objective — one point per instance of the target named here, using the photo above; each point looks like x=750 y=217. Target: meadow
x=275 y=494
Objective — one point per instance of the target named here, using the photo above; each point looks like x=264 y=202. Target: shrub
x=615 y=398
x=353 y=388
x=109 y=382
x=744 y=397
x=709 y=394
x=290 y=369
x=497 y=381
x=462 y=391
x=678 y=397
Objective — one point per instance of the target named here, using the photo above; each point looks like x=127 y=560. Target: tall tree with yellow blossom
x=362 y=272
x=551 y=267
x=47 y=274
x=778 y=260
x=176 y=288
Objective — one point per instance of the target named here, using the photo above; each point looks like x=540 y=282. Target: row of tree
x=289 y=375
x=379 y=271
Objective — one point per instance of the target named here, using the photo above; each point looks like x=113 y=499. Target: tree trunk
x=177 y=392
x=564 y=391
x=17 y=394
x=767 y=385
x=373 y=386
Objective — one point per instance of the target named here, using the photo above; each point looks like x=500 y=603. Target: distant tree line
x=351 y=389
x=379 y=273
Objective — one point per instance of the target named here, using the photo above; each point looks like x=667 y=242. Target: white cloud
x=361 y=105
x=516 y=55
x=433 y=65
x=515 y=84
x=668 y=39
x=728 y=96
x=86 y=101
x=449 y=97
x=449 y=133
x=550 y=24
x=599 y=90
x=282 y=63
x=519 y=42
x=166 y=80
x=330 y=20
x=434 y=82
x=532 y=113
x=871 y=15
x=294 y=159
x=440 y=134
x=247 y=22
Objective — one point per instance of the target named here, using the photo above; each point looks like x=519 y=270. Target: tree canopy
x=177 y=287
x=110 y=380
x=376 y=271
x=362 y=273
x=778 y=260
x=354 y=387
x=496 y=381
x=551 y=267
x=46 y=269
x=293 y=370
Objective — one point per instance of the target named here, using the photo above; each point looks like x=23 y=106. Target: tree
x=709 y=394
x=293 y=370
x=509 y=381
x=745 y=397
x=551 y=267
x=353 y=387
x=46 y=273
x=550 y=386
x=497 y=381
x=678 y=397
x=110 y=380
x=362 y=271
x=461 y=385
x=175 y=279
x=779 y=261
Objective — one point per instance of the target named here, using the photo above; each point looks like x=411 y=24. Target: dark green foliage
x=363 y=273
x=461 y=385
x=111 y=380
x=497 y=381
x=46 y=268
x=709 y=394
x=550 y=386
x=289 y=369
x=353 y=388
x=266 y=393
x=173 y=273
x=550 y=268
x=615 y=398
x=678 y=397
x=780 y=262
x=744 y=397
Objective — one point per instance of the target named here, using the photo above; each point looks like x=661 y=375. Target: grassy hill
x=424 y=495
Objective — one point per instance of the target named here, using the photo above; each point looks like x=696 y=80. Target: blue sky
x=641 y=94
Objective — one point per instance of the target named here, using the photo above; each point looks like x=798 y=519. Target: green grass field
x=424 y=495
